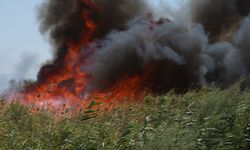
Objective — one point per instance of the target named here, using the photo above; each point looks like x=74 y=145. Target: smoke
x=63 y=20
x=23 y=71
x=181 y=54
x=115 y=14
x=219 y=17
x=173 y=49
x=226 y=66
x=211 y=47
x=241 y=40
x=225 y=20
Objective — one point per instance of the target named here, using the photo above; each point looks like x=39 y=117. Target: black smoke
x=62 y=21
x=173 y=49
x=213 y=47
x=181 y=54
x=219 y=17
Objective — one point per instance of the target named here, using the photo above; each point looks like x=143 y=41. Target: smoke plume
x=173 y=49
x=212 y=47
x=63 y=22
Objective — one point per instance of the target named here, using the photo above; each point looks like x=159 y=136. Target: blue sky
x=19 y=35
x=22 y=48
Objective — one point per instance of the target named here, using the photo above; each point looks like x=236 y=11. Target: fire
x=68 y=83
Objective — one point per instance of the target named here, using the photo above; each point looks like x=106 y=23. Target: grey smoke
x=227 y=63
x=219 y=17
x=241 y=39
x=175 y=49
x=62 y=21
x=212 y=47
x=23 y=70
x=181 y=53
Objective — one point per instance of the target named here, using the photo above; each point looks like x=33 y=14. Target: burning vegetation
x=114 y=50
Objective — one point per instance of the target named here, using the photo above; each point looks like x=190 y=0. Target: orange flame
x=69 y=85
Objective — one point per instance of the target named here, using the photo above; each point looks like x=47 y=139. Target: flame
x=67 y=86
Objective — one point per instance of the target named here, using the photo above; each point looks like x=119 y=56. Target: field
x=209 y=118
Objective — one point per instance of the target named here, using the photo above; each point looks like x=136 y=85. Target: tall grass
x=206 y=119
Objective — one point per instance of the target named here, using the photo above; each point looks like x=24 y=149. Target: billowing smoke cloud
x=170 y=54
x=226 y=65
x=181 y=54
x=219 y=17
x=173 y=49
x=63 y=21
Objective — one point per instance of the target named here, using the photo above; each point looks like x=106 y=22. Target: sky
x=22 y=43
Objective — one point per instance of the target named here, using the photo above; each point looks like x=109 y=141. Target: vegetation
x=206 y=119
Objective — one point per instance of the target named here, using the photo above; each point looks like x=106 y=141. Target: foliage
x=209 y=118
